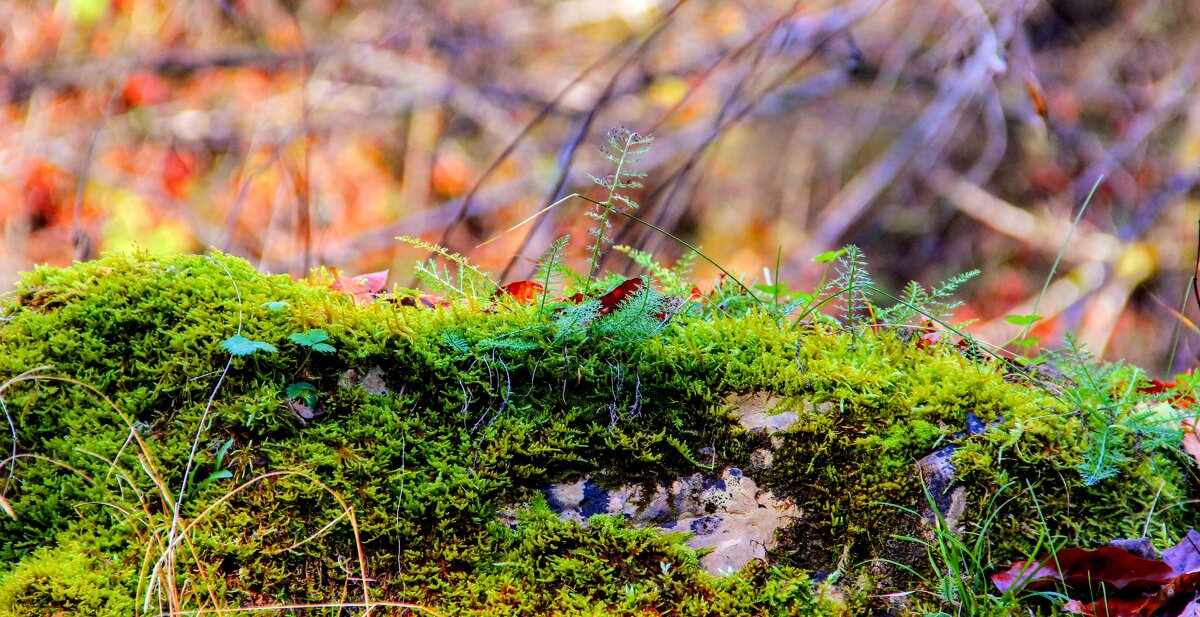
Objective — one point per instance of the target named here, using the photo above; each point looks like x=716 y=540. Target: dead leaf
x=363 y=287
x=611 y=300
x=1075 y=567
x=524 y=292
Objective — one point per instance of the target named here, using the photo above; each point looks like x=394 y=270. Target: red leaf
x=1191 y=439
x=1182 y=401
x=929 y=336
x=1175 y=592
x=363 y=287
x=525 y=292
x=610 y=300
x=1110 y=565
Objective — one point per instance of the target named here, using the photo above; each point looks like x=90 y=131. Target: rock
x=756 y=411
x=938 y=475
x=372 y=383
x=724 y=511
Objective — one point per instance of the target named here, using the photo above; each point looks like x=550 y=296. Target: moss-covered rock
x=381 y=480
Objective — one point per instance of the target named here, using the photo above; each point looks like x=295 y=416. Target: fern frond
x=551 y=267
x=853 y=282
x=635 y=319
x=627 y=150
x=466 y=282
x=673 y=280
x=456 y=341
x=937 y=304
x=573 y=321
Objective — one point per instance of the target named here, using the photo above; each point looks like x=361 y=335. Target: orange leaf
x=525 y=292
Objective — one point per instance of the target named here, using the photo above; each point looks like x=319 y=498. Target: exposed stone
x=756 y=411
x=762 y=458
x=371 y=383
x=938 y=475
x=725 y=512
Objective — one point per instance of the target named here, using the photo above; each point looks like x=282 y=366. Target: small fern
x=627 y=149
x=456 y=341
x=936 y=303
x=637 y=318
x=573 y=320
x=853 y=282
x=673 y=280
x=551 y=268
x=466 y=282
x=1121 y=422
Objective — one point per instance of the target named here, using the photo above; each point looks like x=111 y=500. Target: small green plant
x=627 y=149
x=464 y=281
x=314 y=340
x=238 y=345
x=958 y=564
x=1121 y=421
x=219 y=472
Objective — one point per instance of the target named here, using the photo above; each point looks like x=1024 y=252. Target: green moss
x=72 y=578
x=481 y=409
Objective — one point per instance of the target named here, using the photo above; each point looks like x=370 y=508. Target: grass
x=957 y=579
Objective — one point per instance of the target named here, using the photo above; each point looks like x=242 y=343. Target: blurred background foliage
x=939 y=135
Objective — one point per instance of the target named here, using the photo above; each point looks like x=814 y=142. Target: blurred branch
x=18 y=85
x=1044 y=233
x=935 y=124
x=1175 y=93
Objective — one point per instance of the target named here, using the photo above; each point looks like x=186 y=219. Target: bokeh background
x=938 y=135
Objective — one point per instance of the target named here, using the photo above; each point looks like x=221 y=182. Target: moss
x=481 y=408
x=72 y=578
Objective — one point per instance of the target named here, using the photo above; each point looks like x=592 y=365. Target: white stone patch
x=723 y=512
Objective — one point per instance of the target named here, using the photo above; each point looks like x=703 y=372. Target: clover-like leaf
x=277 y=305
x=239 y=345
x=300 y=389
x=314 y=339
x=1022 y=320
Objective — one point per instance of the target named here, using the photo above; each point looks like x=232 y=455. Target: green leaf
x=779 y=289
x=1029 y=341
x=312 y=339
x=217 y=475
x=300 y=389
x=828 y=256
x=277 y=305
x=1022 y=320
x=221 y=452
x=239 y=345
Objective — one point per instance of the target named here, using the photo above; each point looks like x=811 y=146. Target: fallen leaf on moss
x=363 y=287
x=611 y=300
x=1113 y=582
x=524 y=292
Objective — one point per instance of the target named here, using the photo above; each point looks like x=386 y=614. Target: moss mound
x=386 y=475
